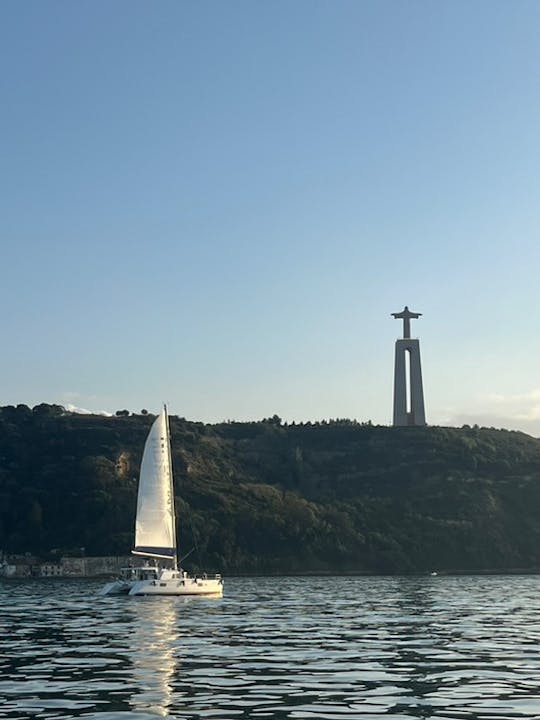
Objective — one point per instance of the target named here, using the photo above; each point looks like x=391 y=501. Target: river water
x=275 y=648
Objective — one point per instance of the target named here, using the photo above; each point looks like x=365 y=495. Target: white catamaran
x=155 y=529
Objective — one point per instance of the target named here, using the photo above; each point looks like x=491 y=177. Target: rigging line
x=195 y=543
x=186 y=555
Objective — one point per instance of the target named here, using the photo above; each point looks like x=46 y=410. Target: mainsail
x=155 y=532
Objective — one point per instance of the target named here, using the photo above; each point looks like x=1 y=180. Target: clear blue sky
x=219 y=204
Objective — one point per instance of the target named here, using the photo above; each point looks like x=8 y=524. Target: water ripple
x=274 y=648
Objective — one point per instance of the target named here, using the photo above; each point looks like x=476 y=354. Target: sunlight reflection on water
x=274 y=648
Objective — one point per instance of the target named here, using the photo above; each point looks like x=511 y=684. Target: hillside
x=269 y=497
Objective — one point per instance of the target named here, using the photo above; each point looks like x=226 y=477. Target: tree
x=44 y=409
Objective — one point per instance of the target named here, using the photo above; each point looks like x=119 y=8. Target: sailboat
x=155 y=529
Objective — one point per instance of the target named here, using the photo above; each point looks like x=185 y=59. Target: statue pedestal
x=408 y=390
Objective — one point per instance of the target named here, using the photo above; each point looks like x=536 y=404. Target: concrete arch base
x=408 y=396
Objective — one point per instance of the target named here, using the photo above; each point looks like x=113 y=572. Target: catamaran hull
x=152 y=580
x=118 y=587
x=189 y=588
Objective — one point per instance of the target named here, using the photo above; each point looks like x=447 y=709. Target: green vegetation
x=268 y=497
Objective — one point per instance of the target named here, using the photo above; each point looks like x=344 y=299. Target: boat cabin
x=141 y=572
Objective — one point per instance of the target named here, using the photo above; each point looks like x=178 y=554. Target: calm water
x=445 y=647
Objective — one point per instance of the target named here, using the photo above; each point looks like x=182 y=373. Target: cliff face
x=267 y=497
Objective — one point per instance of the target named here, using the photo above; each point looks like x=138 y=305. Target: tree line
x=267 y=497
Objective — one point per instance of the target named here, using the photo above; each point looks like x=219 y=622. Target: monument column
x=408 y=390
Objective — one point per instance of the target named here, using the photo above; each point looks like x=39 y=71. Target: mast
x=171 y=481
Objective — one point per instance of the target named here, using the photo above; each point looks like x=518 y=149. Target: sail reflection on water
x=155 y=644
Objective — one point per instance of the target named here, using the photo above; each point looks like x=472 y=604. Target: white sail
x=155 y=532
